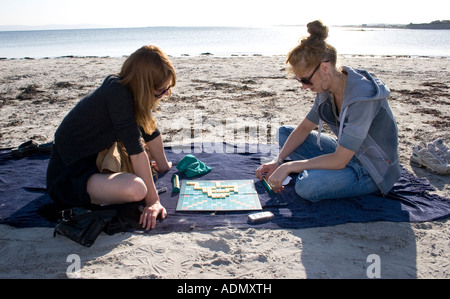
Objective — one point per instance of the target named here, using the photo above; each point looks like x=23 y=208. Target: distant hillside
x=436 y=25
x=432 y=25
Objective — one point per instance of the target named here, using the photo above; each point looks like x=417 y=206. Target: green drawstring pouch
x=191 y=166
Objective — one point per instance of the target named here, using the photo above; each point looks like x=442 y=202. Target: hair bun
x=318 y=30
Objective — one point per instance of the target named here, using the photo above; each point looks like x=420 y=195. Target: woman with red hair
x=120 y=111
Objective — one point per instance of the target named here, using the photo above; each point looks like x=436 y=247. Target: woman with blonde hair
x=353 y=103
x=119 y=111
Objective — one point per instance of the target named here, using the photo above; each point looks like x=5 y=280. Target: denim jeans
x=317 y=184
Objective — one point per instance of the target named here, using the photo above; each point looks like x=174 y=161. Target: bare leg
x=116 y=188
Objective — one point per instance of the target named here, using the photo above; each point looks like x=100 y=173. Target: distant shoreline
x=435 y=25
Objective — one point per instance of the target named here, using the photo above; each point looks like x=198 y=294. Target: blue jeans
x=317 y=184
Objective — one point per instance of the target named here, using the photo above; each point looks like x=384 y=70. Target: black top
x=98 y=120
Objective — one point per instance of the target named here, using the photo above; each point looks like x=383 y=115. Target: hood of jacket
x=361 y=86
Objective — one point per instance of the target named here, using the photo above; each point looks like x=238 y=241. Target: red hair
x=144 y=72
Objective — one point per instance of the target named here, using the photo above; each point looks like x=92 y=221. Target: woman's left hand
x=149 y=215
x=161 y=169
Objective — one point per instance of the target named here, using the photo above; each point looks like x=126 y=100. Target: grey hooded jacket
x=365 y=125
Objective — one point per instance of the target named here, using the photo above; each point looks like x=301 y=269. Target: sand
x=36 y=94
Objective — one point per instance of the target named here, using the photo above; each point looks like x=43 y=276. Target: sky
x=143 y=13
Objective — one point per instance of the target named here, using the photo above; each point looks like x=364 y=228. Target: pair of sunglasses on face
x=157 y=96
x=308 y=81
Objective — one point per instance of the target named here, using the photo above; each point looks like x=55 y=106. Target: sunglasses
x=157 y=96
x=308 y=81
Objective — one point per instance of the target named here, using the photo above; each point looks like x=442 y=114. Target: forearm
x=334 y=161
x=142 y=169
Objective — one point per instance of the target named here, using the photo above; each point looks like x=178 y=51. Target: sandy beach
x=36 y=94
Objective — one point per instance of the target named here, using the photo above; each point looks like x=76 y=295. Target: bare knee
x=136 y=190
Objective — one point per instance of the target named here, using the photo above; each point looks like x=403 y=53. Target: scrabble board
x=226 y=195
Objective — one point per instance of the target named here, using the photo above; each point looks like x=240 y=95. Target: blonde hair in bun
x=317 y=30
x=312 y=49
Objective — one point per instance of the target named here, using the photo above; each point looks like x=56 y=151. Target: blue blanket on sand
x=22 y=196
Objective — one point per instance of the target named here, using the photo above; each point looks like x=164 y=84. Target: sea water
x=219 y=41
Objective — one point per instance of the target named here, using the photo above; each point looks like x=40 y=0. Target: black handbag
x=83 y=226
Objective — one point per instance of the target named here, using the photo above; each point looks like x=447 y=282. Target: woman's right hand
x=150 y=213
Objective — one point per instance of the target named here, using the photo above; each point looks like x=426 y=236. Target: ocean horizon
x=218 y=41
